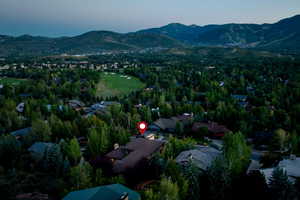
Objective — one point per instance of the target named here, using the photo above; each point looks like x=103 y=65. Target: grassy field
x=117 y=85
x=11 y=81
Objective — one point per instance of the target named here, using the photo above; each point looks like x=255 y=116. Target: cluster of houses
x=129 y=156
x=71 y=65
x=97 y=108
x=169 y=125
x=121 y=159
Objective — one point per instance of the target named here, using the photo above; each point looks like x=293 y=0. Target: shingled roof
x=202 y=157
x=129 y=156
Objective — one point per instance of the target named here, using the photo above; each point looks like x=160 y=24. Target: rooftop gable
x=107 y=192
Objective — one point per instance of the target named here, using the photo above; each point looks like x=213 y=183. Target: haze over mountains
x=282 y=36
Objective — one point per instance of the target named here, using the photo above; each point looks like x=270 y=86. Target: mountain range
x=281 y=36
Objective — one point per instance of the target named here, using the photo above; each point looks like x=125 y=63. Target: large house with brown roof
x=129 y=156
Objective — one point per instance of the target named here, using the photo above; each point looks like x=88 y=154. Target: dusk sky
x=72 y=17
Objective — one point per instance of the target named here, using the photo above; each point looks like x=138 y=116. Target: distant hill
x=281 y=36
x=284 y=34
x=91 y=42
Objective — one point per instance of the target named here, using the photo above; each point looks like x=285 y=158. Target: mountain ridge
x=283 y=35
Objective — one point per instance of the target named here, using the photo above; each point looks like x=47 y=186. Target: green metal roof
x=108 y=192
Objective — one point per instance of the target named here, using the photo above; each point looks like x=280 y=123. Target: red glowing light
x=142 y=126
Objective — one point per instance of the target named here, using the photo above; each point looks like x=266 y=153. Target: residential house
x=290 y=166
x=202 y=157
x=107 y=192
x=239 y=97
x=21 y=132
x=169 y=125
x=38 y=149
x=97 y=106
x=129 y=156
x=216 y=130
x=241 y=100
x=76 y=104
x=163 y=124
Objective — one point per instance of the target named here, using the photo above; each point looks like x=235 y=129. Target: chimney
x=124 y=196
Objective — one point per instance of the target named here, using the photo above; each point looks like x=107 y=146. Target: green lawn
x=11 y=81
x=117 y=85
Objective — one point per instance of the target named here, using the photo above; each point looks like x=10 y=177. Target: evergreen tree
x=219 y=179
x=236 y=152
x=192 y=173
x=81 y=176
x=98 y=141
x=279 y=140
x=168 y=190
x=280 y=187
x=73 y=151
x=40 y=131
x=53 y=159
x=179 y=129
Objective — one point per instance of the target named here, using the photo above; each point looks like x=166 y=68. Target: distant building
x=109 y=103
x=129 y=156
x=107 y=192
x=25 y=95
x=98 y=106
x=76 y=104
x=239 y=98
